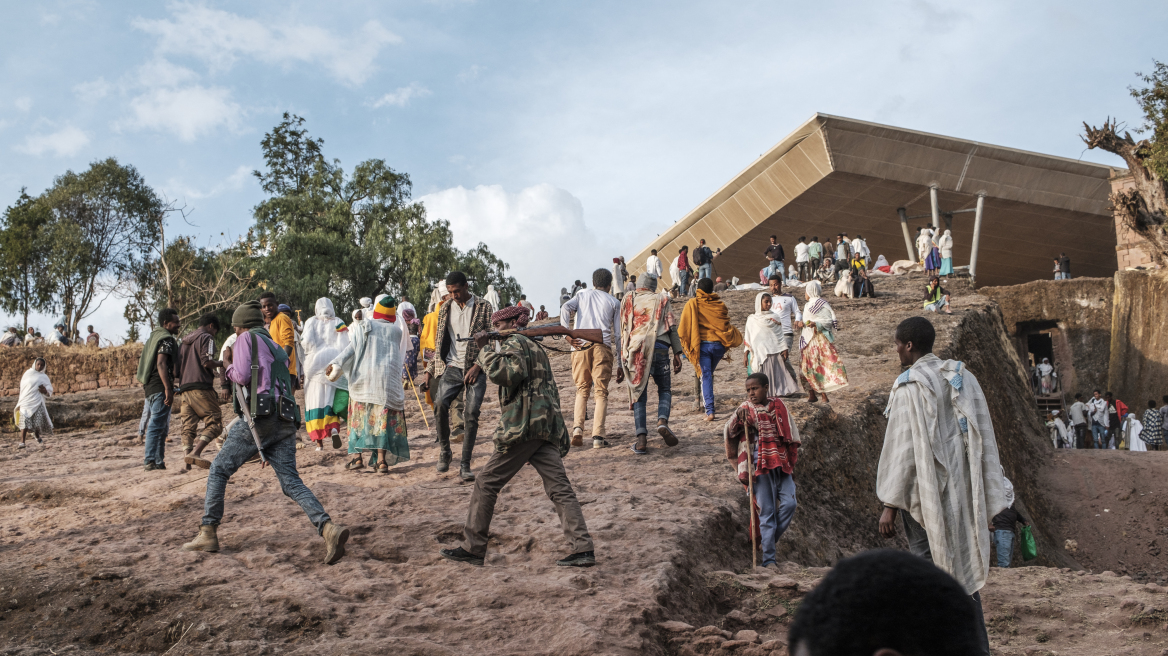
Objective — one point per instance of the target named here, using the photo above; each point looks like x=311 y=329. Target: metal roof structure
x=836 y=174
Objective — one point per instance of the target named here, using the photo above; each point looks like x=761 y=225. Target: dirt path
x=90 y=542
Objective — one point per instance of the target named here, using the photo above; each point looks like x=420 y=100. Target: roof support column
x=936 y=207
x=976 y=238
x=908 y=244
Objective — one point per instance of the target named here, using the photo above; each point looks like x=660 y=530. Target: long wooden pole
x=418 y=398
x=750 y=504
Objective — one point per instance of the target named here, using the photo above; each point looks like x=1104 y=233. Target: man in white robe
x=939 y=467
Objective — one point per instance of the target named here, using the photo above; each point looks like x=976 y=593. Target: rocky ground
x=90 y=542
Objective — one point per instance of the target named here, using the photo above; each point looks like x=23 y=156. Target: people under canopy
x=766 y=349
x=326 y=401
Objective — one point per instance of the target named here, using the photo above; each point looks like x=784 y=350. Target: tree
x=102 y=225
x=1144 y=207
x=325 y=233
x=24 y=250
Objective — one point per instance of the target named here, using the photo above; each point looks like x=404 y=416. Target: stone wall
x=1129 y=250
x=72 y=368
x=1139 y=347
x=1082 y=310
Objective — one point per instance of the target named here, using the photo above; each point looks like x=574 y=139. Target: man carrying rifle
x=531 y=430
x=268 y=420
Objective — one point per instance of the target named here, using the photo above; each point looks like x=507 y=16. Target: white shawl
x=675 y=272
x=373 y=363
x=945 y=243
x=492 y=297
x=31 y=400
x=940 y=464
x=322 y=342
x=763 y=334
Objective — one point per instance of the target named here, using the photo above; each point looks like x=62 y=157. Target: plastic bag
x=1029 y=547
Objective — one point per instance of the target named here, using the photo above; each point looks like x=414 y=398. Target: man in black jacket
x=775 y=256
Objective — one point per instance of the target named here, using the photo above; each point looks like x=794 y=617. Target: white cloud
x=528 y=230
x=402 y=96
x=177 y=189
x=471 y=73
x=24 y=103
x=188 y=112
x=63 y=142
x=220 y=38
x=91 y=92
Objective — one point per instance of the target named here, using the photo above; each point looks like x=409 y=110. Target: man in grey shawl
x=939 y=467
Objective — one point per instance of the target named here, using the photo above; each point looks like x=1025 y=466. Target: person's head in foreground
x=756 y=388
x=914 y=339
x=706 y=285
x=885 y=603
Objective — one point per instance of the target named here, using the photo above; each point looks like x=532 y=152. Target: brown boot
x=577 y=436
x=206 y=540
x=335 y=537
x=665 y=433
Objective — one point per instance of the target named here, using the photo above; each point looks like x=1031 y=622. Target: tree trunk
x=1144 y=208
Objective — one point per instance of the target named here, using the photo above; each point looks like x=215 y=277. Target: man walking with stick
x=269 y=418
x=763 y=443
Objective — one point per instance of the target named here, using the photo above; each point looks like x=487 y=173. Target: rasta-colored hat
x=385 y=308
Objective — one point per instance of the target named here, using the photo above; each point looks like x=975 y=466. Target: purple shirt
x=240 y=369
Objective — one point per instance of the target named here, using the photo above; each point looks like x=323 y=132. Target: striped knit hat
x=385 y=308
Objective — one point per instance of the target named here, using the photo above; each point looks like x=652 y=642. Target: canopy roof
x=836 y=174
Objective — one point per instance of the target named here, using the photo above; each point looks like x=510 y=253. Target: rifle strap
x=255 y=375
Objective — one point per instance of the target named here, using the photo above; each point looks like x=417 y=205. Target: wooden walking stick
x=419 y=399
x=750 y=505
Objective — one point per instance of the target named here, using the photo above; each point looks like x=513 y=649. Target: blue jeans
x=710 y=355
x=1004 y=544
x=661 y=374
x=775 y=493
x=706 y=271
x=1098 y=432
x=278 y=439
x=157 y=428
x=145 y=417
x=776 y=266
x=683 y=281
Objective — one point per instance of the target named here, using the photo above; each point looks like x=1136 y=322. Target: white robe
x=492 y=297
x=940 y=464
x=946 y=245
x=31 y=400
x=1132 y=428
x=675 y=272
x=373 y=363
x=763 y=338
x=653 y=265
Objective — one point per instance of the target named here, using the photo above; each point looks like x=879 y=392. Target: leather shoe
x=465 y=473
x=444 y=462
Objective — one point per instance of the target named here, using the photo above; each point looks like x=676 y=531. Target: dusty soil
x=90 y=542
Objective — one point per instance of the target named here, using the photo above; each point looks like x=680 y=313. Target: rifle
x=594 y=335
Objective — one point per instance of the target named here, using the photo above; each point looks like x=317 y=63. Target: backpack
x=700 y=258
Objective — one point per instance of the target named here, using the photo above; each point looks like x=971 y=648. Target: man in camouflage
x=531 y=430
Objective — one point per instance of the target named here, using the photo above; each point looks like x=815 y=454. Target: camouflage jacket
x=528 y=397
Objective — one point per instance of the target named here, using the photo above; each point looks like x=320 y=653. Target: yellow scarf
x=705 y=319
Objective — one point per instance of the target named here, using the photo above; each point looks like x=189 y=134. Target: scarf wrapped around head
x=410 y=317
x=509 y=313
x=385 y=308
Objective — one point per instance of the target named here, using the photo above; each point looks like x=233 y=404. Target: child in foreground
x=763 y=426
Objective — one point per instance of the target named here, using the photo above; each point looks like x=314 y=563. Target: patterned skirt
x=38 y=421
x=822 y=366
x=373 y=427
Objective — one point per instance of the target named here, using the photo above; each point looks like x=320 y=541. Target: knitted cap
x=385 y=308
x=248 y=315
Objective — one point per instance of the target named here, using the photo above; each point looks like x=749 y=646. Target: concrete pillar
x=976 y=238
x=908 y=242
x=936 y=207
x=948 y=221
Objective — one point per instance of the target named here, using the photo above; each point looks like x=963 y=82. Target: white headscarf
x=1009 y=492
x=367 y=302
x=813 y=290
x=321 y=341
x=764 y=333
x=31 y=400
x=492 y=297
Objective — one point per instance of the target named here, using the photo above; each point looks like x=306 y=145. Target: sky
x=561 y=134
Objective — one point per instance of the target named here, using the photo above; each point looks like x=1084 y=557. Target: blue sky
x=559 y=133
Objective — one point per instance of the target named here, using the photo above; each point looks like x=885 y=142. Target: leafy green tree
x=327 y=233
x=1144 y=206
x=24 y=250
x=103 y=223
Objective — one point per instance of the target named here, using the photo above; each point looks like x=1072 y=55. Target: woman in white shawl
x=34 y=414
x=1131 y=430
x=1045 y=376
x=764 y=348
x=675 y=274
x=372 y=362
x=1059 y=435
x=945 y=243
x=326 y=401
x=822 y=367
x=492 y=297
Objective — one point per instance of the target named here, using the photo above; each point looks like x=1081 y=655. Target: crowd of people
x=58 y=336
x=1105 y=422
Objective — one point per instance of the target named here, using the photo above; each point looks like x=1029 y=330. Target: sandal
x=383 y=468
x=356 y=463
x=201 y=463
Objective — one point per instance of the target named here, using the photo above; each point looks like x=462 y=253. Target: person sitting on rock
x=886 y=603
x=761 y=433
